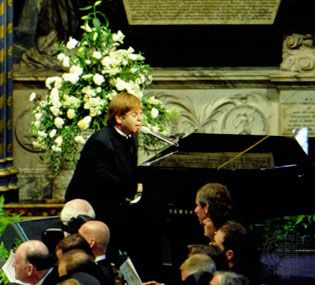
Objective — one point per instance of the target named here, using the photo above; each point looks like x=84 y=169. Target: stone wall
x=224 y=101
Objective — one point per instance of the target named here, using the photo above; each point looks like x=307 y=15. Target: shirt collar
x=100 y=257
x=40 y=282
x=122 y=133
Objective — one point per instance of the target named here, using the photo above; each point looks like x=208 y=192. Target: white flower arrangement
x=95 y=71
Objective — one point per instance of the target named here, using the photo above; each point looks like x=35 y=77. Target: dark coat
x=104 y=174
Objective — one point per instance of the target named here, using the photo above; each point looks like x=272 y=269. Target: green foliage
x=282 y=227
x=96 y=69
x=5 y=219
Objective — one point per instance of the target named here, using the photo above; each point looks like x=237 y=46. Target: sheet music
x=130 y=273
x=9 y=270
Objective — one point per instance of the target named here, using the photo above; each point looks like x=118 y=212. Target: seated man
x=79 y=265
x=97 y=234
x=33 y=264
x=73 y=214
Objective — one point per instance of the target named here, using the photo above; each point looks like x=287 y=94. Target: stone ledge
x=32 y=210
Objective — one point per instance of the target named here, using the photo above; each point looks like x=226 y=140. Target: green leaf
x=86 y=8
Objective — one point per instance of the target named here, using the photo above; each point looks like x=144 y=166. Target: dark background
x=204 y=45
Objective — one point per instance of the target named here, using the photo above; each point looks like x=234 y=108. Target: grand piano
x=268 y=176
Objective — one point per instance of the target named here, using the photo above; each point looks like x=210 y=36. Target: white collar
x=100 y=257
x=122 y=133
x=43 y=278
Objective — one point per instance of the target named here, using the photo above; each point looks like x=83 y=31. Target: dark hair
x=219 y=212
x=41 y=261
x=121 y=104
x=74 y=241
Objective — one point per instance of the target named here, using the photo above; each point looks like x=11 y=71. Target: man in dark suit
x=97 y=234
x=105 y=172
x=33 y=264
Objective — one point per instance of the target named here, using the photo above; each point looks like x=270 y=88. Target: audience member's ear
x=229 y=254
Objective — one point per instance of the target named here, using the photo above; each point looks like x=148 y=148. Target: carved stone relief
x=247 y=112
x=298 y=53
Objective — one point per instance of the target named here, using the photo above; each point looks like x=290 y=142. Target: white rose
x=72 y=43
x=38 y=116
x=55 y=110
x=73 y=78
x=42 y=134
x=66 y=61
x=118 y=37
x=154 y=113
x=58 y=122
x=98 y=79
x=79 y=140
x=84 y=123
x=58 y=141
x=56 y=148
x=76 y=69
x=52 y=133
x=70 y=114
x=97 y=54
x=61 y=56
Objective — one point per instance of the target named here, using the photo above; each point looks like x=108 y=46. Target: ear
x=92 y=242
x=206 y=208
x=119 y=119
x=229 y=254
x=30 y=268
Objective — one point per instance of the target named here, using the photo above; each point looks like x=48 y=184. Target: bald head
x=32 y=261
x=97 y=234
x=74 y=208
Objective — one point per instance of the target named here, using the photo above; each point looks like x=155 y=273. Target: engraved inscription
x=298 y=111
x=190 y=12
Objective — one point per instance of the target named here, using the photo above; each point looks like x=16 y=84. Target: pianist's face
x=201 y=212
x=130 y=123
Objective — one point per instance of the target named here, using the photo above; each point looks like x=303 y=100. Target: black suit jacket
x=107 y=270
x=104 y=174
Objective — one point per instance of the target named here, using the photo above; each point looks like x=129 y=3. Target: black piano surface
x=268 y=176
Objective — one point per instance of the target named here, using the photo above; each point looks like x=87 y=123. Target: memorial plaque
x=201 y=12
x=297 y=111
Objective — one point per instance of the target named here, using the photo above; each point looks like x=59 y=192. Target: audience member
x=233 y=239
x=228 y=278
x=97 y=234
x=73 y=214
x=218 y=213
x=212 y=250
x=196 y=269
x=33 y=264
x=208 y=193
x=79 y=265
x=73 y=241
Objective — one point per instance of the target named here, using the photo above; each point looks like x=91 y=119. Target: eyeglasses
x=135 y=115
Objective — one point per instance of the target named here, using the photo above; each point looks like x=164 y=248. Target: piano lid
x=218 y=151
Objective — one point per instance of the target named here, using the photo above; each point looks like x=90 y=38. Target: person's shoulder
x=86 y=278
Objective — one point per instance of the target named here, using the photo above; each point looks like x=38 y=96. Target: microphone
x=147 y=131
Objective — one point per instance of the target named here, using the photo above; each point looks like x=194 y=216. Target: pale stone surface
x=178 y=12
x=297 y=111
x=298 y=53
x=222 y=100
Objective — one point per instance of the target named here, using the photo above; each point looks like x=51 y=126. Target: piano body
x=268 y=176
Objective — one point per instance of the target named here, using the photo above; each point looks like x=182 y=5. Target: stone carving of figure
x=298 y=53
x=56 y=21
